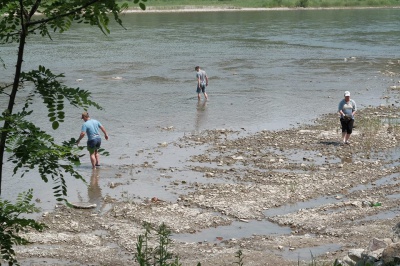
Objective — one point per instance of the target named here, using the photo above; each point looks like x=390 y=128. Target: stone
x=376 y=244
x=348 y=260
x=355 y=254
x=396 y=232
x=83 y=205
x=390 y=252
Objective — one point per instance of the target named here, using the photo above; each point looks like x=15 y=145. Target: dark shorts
x=347 y=125
x=94 y=144
x=202 y=88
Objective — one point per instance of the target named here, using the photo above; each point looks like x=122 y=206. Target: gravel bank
x=250 y=177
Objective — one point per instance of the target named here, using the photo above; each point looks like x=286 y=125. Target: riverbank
x=166 y=9
x=303 y=179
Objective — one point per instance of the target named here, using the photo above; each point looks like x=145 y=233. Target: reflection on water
x=201 y=115
x=94 y=190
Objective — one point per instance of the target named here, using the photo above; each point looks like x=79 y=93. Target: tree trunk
x=13 y=94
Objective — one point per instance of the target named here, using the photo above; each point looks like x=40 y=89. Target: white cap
x=346 y=93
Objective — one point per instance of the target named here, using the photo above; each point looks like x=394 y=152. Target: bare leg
x=97 y=156
x=344 y=136
x=93 y=159
x=205 y=95
x=198 y=96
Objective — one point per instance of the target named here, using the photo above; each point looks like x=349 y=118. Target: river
x=267 y=70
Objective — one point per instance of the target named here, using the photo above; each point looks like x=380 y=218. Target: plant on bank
x=239 y=257
x=160 y=255
x=11 y=224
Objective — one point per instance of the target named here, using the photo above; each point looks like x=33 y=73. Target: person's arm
x=104 y=131
x=354 y=107
x=340 y=109
x=206 y=80
x=80 y=137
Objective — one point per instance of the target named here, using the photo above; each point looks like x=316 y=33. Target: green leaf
x=12 y=223
x=55 y=125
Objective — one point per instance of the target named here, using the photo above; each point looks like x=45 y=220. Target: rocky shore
x=351 y=193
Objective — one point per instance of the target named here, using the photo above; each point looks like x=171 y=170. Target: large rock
x=376 y=244
x=391 y=253
x=396 y=232
x=355 y=254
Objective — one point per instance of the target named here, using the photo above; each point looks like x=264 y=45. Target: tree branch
x=34 y=8
x=62 y=15
x=5 y=86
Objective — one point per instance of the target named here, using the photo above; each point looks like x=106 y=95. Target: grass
x=393 y=125
x=369 y=127
x=180 y=4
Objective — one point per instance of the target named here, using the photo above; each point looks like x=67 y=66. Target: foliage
x=239 y=256
x=302 y=3
x=11 y=224
x=29 y=146
x=146 y=255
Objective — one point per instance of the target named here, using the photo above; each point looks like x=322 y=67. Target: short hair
x=197 y=67
x=85 y=114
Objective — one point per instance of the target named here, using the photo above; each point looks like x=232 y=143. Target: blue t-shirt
x=91 y=127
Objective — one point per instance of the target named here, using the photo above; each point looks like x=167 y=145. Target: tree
x=11 y=224
x=31 y=148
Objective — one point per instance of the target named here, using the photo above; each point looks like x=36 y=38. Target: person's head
x=347 y=95
x=85 y=116
x=197 y=68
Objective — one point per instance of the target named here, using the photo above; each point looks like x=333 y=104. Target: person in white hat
x=347 y=108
